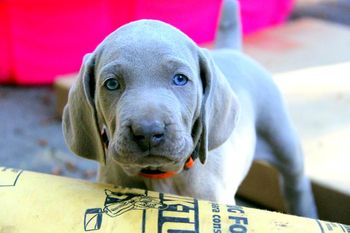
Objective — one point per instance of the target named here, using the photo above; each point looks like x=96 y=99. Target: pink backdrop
x=259 y=14
x=41 y=39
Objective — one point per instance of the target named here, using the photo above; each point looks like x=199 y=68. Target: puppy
x=160 y=113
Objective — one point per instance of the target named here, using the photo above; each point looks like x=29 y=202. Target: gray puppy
x=148 y=102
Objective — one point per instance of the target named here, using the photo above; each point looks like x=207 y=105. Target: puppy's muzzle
x=148 y=134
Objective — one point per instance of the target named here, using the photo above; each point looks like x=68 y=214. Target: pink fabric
x=41 y=39
x=263 y=13
x=5 y=45
x=194 y=18
x=47 y=38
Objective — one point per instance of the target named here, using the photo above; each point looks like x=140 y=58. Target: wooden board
x=300 y=44
x=61 y=87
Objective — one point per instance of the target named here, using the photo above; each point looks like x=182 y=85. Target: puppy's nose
x=148 y=134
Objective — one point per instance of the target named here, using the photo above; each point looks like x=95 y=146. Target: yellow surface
x=32 y=202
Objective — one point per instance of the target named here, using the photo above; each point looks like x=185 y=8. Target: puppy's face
x=148 y=96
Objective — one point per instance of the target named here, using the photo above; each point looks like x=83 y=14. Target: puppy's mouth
x=152 y=166
x=151 y=171
x=156 y=173
x=159 y=174
x=159 y=171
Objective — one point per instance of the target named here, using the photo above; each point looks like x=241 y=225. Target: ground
x=32 y=137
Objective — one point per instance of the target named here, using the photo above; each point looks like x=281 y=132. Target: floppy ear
x=219 y=106
x=80 y=125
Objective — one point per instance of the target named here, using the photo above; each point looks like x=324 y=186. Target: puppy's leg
x=277 y=133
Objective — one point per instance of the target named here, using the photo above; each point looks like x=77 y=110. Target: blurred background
x=305 y=44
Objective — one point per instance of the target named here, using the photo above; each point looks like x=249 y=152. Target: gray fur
x=228 y=106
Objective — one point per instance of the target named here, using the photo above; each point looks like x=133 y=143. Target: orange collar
x=163 y=175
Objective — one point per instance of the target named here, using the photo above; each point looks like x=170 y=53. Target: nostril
x=158 y=136
x=156 y=139
x=142 y=141
x=139 y=137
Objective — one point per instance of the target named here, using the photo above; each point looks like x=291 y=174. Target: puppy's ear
x=80 y=125
x=219 y=106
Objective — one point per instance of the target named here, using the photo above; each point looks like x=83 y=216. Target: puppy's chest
x=171 y=185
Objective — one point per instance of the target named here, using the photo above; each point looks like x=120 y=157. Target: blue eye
x=180 y=79
x=111 y=84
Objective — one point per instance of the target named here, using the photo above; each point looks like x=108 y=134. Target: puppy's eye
x=111 y=84
x=180 y=80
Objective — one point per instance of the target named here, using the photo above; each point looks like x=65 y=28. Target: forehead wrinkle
x=145 y=35
x=175 y=64
x=149 y=30
x=114 y=67
x=144 y=40
x=174 y=61
x=148 y=36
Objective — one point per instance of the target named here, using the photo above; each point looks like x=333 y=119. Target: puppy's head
x=158 y=97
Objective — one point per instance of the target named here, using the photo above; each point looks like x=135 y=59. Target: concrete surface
x=31 y=135
x=331 y=10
